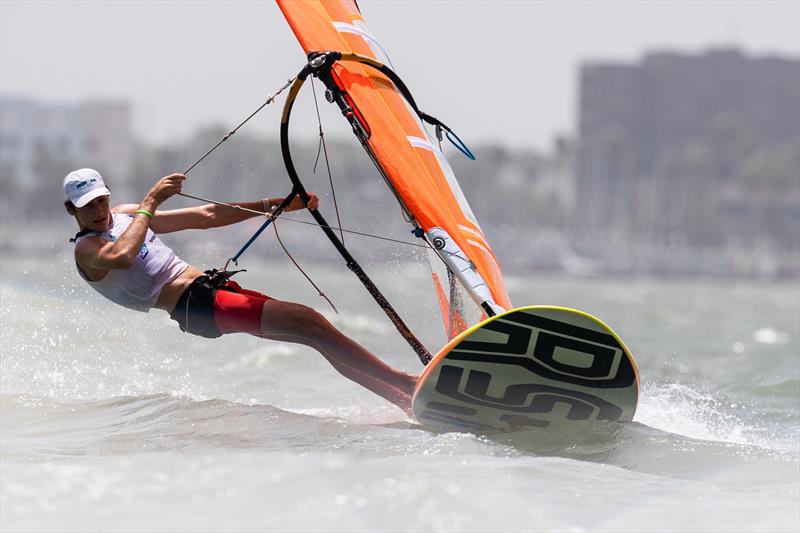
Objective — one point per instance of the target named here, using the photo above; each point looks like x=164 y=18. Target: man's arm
x=95 y=255
x=213 y=215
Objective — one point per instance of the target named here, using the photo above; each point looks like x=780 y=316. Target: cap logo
x=84 y=184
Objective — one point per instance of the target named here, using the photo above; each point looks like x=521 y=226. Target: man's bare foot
x=409 y=384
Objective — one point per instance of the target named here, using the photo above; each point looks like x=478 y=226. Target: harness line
x=303 y=272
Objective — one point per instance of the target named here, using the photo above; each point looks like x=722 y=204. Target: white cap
x=84 y=185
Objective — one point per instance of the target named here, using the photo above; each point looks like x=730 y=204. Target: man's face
x=96 y=215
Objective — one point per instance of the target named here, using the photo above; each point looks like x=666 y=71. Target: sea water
x=114 y=420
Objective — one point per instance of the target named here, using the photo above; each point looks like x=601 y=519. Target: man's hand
x=297 y=203
x=164 y=188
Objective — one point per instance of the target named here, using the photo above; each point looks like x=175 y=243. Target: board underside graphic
x=529 y=368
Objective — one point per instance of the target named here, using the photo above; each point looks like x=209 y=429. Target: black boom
x=319 y=65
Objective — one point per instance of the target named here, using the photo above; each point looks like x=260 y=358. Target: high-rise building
x=669 y=148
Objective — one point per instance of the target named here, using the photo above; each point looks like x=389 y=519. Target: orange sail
x=414 y=166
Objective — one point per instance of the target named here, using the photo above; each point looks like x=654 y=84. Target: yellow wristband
x=144 y=212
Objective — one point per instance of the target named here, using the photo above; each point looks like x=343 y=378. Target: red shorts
x=213 y=312
x=238 y=310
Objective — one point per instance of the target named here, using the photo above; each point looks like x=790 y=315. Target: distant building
x=556 y=181
x=40 y=142
x=690 y=149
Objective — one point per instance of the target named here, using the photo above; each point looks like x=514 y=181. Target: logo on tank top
x=143 y=251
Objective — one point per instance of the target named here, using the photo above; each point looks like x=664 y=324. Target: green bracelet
x=144 y=212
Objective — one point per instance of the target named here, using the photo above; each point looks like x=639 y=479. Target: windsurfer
x=118 y=252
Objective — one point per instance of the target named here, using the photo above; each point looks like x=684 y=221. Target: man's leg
x=297 y=323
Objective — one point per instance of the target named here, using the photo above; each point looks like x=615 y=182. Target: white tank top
x=136 y=287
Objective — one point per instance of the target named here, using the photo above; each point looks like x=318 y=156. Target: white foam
x=770 y=336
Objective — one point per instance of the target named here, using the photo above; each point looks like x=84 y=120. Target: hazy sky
x=503 y=71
